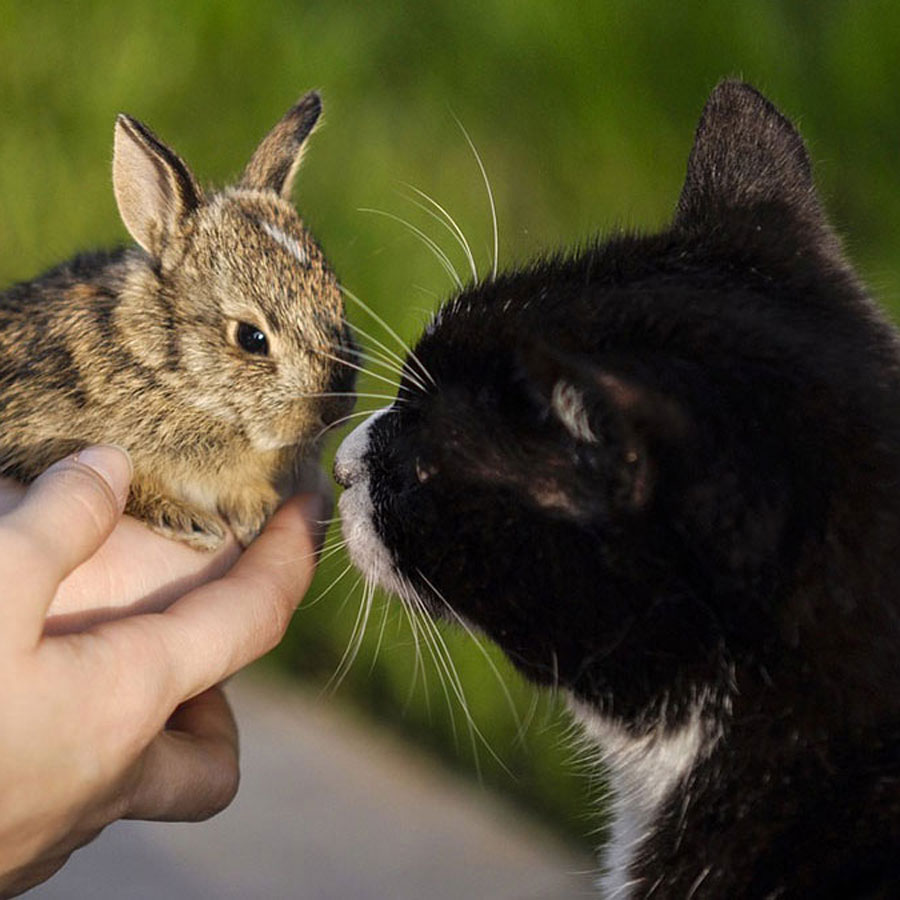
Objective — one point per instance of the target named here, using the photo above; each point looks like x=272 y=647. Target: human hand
x=134 y=570
x=122 y=720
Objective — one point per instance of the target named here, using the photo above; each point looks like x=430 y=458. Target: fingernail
x=112 y=463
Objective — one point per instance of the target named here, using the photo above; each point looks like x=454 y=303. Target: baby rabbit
x=214 y=351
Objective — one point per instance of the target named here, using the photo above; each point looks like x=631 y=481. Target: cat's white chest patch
x=643 y=771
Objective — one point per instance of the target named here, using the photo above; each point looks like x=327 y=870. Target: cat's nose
x=350 y=459
x=349 y=465
x=347 y=471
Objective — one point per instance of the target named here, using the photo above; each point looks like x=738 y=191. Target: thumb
x=65 y=515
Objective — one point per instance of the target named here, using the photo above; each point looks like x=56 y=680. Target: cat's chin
x=366 y=550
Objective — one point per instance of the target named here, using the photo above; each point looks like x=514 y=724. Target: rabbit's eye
x=252 y=339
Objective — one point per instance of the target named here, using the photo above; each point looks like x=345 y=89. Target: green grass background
x=583 y=114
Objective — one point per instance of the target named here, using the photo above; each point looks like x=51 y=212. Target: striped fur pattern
x=142 y=346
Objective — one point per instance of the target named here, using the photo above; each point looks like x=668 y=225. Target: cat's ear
x=617 y=425
x=747 y=160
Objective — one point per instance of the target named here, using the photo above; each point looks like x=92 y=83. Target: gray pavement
x=329 y=809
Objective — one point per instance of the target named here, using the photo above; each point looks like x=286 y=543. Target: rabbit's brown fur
x=140 y=346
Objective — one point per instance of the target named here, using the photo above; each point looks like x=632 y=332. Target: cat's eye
x=252 y=339
x=424 y=471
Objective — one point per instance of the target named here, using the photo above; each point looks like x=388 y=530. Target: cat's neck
x=643 y=771
x=699 y=808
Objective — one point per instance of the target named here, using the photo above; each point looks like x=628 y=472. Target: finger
x=42 y=868
x=217 y=629
x=11 y=494
x=135 y=571
x=17 y=882
x=190 y=771
x=66 y=514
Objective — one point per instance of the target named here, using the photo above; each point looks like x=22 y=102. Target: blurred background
x=583 y=114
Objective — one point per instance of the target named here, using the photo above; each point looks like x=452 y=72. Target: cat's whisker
x=326 y=552
x=448 y=222
x=324 y=593
x=432 y=245
x=453 y=675
x=481 y=648
x=445 y=664
x=396 y=369
x=355 y=641
x=418 y=662
x=403 y=345
x=327 y=523
x=527 y=719
x=333 y=548
x=555 y=682
x=384 y=617
x=421 y=615
x=429 y=292
x=393 y=363
x=490 y=193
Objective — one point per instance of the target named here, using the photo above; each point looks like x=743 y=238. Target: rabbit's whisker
x=366 y=396
x=317 y=599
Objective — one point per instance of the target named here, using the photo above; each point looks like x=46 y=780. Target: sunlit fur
x=138 y=346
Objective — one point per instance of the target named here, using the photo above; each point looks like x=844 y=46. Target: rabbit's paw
x=181 y=522
x=248 y=520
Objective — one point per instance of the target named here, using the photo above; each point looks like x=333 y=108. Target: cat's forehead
x=474 y=335
x=626 y=294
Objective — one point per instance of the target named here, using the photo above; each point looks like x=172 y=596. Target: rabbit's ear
x=278 y=157
x=154 y=189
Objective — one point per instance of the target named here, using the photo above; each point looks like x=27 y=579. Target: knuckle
x=145 y=685
x=217 y=786
x=227 y=783
x=276 y=615
x=274 y=604
x=66 y=511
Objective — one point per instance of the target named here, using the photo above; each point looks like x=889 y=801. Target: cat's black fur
x=664 y=473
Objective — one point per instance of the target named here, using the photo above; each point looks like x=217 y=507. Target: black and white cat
x=663 y=473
